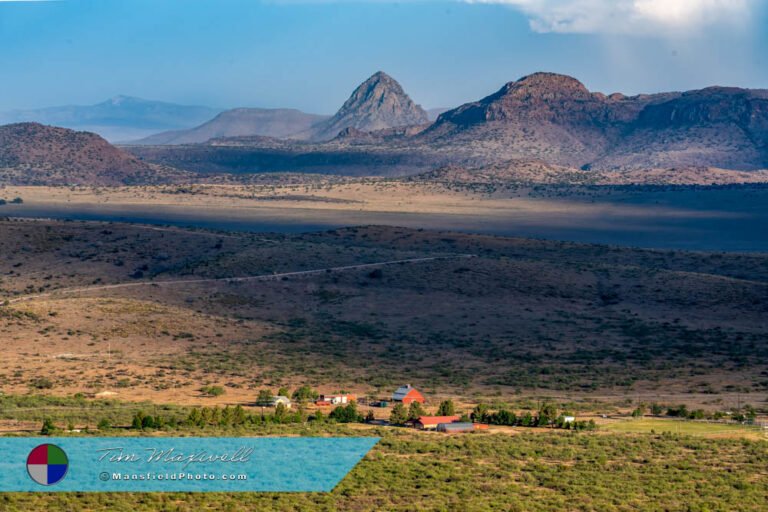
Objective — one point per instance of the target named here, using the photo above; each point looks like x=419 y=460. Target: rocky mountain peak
x=376 y=104
x=546 y=86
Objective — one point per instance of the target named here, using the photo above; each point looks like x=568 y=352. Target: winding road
x=261 y=277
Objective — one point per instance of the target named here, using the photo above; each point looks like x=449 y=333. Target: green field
x=693 y=428
x=530 y=471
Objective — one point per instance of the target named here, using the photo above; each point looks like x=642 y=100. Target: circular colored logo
x=47 y=464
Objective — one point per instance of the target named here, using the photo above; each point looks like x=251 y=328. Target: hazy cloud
x=628 y=16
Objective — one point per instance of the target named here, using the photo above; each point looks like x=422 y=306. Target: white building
x=281 y=400
x=337 y=399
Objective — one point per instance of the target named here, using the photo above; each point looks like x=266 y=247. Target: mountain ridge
x=238 y=122
x=118 y=118
x=35 y=154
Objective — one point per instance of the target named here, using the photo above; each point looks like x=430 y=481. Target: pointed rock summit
x=376 y=104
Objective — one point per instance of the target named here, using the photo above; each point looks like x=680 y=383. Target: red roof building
x=431 y=422
x=407 y=394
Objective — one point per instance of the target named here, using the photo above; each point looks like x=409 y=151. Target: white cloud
x=628 y=16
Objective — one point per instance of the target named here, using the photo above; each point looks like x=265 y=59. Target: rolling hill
x=34 y=154
x=239 y=122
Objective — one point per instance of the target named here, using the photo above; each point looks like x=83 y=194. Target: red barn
x=407 y=394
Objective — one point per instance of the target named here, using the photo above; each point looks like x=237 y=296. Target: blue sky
x=311 y=54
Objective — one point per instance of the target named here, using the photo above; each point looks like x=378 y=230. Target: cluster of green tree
x=746 y=414
x=547 y=416
x=345 y=414
x=236 y=416
x=15 y=200
x=212 y=417
x=233 y=417
x=302 y=395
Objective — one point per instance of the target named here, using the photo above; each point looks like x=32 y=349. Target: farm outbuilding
x=407 y=394
x=335 y=399
x=281 y=400
x=431 y=422
x=456 y=427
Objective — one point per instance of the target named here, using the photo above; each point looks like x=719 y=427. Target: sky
x=310 y=54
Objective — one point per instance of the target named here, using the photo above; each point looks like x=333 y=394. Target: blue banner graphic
x=196 y=464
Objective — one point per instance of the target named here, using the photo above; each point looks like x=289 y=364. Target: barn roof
x=402 y=392
x=436 y=420
x=456 y=426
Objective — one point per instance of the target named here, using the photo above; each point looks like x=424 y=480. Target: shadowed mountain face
x=378 y=103
x=33 y=154
x=117 y=119
x=555 y=118
x=717 y=126
x=241 y=122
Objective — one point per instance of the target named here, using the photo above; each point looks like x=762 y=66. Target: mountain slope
x=33 y=154
x=544 y=115
x=240 y=122
x=718 y=126
x=376 y=104
x=555 y=118
x=119 y=118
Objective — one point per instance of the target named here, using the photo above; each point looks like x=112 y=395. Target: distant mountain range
x=279 y=123
x=548 y=118
x=118 y=119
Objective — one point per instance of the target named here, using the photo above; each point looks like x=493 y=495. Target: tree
x=264 y=398
x=346 y=414
x=503 y=417
x=104 y=424
x=238 y=415
x=369 y=417
x=547 y=414
x=147 y=422
x=305 y=394
x=48 y=427
x=280 y=411
x=195 y=417
x=446 y=408
x=138 y=421
x=656 y=409
x=399 y=415
x=480 y=413
x=415 y=411
x=283 y=391
x=680 y=411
